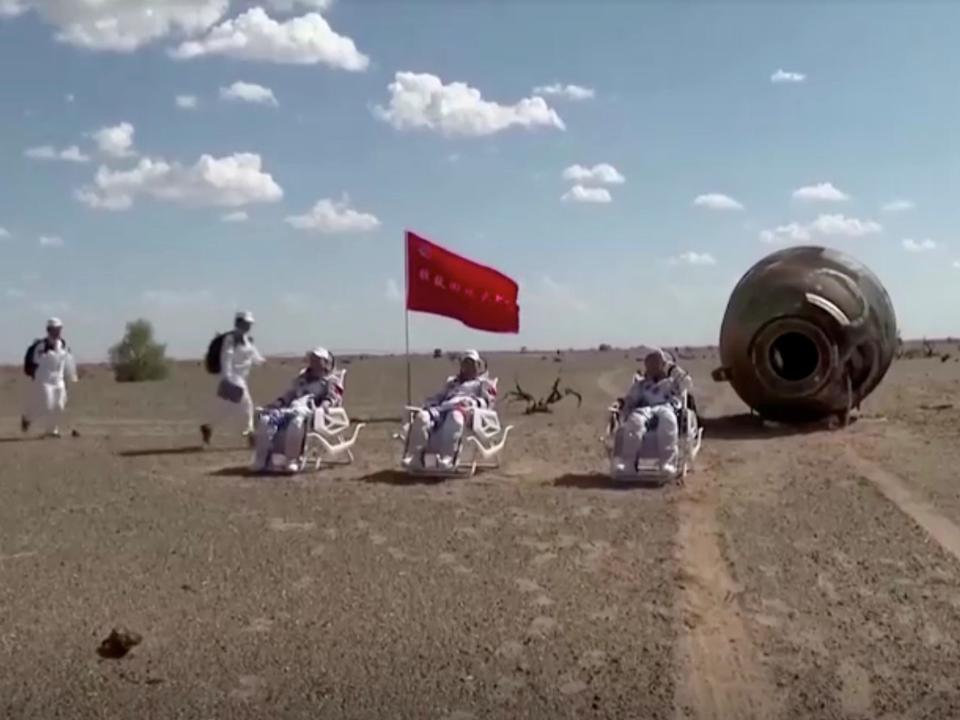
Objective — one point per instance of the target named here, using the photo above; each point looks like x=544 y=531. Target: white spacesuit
x=654 y=397
x=238 y=355
x=439 y=426
x=52 y=365
x=284 y=421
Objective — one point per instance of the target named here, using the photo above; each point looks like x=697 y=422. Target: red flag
x=443 y=283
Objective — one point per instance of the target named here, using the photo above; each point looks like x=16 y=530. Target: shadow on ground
x=159 y=452
x=395 y=477
x=751 y=427
x=599 y=481
x=238 y=471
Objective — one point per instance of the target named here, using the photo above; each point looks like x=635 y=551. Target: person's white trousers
x=225 y=412
x=443 y=440
x=635 y=428
x=47 y=403
x=293 y=436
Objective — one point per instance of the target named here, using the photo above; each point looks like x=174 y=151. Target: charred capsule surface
x=808 y=332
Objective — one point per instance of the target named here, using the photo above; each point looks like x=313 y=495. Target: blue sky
x=334 y=126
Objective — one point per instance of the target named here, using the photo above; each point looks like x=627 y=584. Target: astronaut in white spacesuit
x=653 y=401
x=439 y=425
x=50 y=364
x=284 y=421
x=238 y=355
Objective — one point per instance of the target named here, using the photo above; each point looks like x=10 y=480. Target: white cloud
x=254 y=35
x=115 y=141
x=73 y=154
x=187 y=102
x=120 y=25
x=717 y=201
x=822 y=192
x=825 y=225
x=899 y=206
x=14 y=293
x=693 y=258
x=12 y=8
x=421 y=100
x=231 y=181
x=603 y=173
x=841 y=225
x=47 y=152
x=956 y=264
x=782 y=76
x=568 y=92
x=331 y=217
x=249 y=92
x=794 y=232
x=51 y=241
x=581 y=194
x=393 y=292
x=240 y=216
x=4 y=233
x=291 y=5
x=70 y=97
x=918 y=245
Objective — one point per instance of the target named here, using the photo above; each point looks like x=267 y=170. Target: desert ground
x=794 y=574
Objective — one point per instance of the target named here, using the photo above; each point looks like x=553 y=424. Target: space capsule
x=808 y=333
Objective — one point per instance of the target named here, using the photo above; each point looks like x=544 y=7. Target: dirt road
x=793 y=575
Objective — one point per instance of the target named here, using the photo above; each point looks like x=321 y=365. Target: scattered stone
x=119 y=643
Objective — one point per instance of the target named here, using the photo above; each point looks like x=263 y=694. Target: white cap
x=321 y=352
x=54 y=323
x=244 y=316
x=472 y=355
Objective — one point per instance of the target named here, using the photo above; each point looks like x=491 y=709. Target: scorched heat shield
x=808 y=333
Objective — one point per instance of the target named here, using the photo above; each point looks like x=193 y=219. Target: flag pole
x=406 y=322
x=406 y=314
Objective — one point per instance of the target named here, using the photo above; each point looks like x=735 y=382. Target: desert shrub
x=437 y=354
x=604 y=347
x=137 y=358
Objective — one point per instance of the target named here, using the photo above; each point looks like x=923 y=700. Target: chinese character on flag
x=484 y=299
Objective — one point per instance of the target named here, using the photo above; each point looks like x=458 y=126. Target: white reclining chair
x=325 y=441
x=484 y=437
x=689 y=439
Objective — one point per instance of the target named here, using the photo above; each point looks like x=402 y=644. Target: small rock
x=119 y=643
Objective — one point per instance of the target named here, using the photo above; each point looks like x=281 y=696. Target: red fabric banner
x=440 y=282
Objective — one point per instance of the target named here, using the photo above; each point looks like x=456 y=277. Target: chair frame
x=484 y=435
x=324 y=441
x=689 y=441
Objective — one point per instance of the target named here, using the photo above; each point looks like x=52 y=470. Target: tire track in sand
x=720 y=675
x=931 y=520
x=719 y=672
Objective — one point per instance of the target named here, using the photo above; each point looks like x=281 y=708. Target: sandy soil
x=794 y=575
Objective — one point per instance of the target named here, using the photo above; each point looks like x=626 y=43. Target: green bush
x=137 y=358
